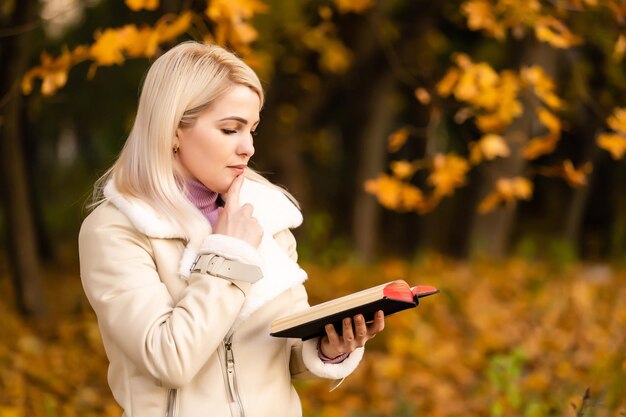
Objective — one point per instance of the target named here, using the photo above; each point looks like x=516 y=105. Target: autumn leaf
x=446 y=85
x=234 y=10
x=614 y=143
x=397 y=139
x=136 y=5
x=480 y=16
x=402 y=169
x=232 y=19
x=549 y=120
x=354 y=6
x=488 y=148
x=539 y=146
x=553 y=31
x=617 y=121
x=394 y=194
x=139 y=42
x=335 y=57
x=477 y=84
x=507 y=190
x=108 y=49
x=170 y=27
x=542 y=85
x=448 y=173
x=52 y=71
x=422 y=95
x=575 y=177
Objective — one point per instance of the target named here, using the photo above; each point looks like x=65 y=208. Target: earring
x=175 y=149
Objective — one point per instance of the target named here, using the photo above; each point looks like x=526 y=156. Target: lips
x=238 y=168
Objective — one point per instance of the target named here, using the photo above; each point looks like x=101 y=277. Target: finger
x=331 y=333
x=232 y=195
x=348 y=334
x=360 y=329
x=379 y=323
x=247 y=210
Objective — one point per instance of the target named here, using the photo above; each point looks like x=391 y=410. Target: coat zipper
x=172 y=396
x=231 y=375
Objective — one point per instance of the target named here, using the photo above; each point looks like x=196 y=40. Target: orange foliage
x=615 y=143
x=523 y=337
x=507 y=190
x=516 y=336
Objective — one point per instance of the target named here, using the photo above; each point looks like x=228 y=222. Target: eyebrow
x=238 y=119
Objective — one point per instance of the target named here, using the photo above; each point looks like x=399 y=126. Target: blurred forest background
x=475 y=144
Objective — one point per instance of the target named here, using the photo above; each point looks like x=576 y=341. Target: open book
x=390 y=297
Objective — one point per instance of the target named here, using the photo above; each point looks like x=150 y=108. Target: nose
x=246 y=146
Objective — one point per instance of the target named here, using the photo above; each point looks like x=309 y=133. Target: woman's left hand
x=353 y=336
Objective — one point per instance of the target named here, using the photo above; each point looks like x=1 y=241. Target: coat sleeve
x=170 y=341
x=304 y=360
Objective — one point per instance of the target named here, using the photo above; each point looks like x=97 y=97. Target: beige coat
x=198 y=345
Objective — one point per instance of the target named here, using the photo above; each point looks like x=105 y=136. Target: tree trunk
x=490 y=232
x=17 y=205
x=367 y=211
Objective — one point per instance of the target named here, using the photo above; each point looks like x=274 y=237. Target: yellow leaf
x=139 y=42
x=543 y=86
x=488 y=147
x=448 y=82
x=136 y=5
x=335 y=57
x=478 y=84
x=550 y=121
x=617 y=121
x=354 y=6
x=539 y=146
x=491 y=122
x=394 y=194
x=234 y=10
x=52 y=81
x=507 y=190
x=422 y=95
x=397 y=139
x=480 y=16
x=386 y=190
x=108 y=48
x=245 y=32
x=620 y=48
x=614 y=143
x=551 y=30
x=576 y=177
x=412 y=198
x=168 y=29
x=52 y=71
x=448 y=173
x=402 y=169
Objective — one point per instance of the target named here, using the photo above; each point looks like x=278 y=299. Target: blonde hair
x=179 y=85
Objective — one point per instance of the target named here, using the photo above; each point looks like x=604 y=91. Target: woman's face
x=217 y=147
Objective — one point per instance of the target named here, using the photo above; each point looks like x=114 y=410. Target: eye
x=228 y=131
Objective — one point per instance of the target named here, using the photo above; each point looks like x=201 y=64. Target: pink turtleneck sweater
x=204 y=199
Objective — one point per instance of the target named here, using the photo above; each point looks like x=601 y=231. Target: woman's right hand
x=237 y=221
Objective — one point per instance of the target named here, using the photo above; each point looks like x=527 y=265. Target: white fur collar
x=272 y=209
x=274 y=212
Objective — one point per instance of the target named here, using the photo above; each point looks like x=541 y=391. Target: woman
x=187 y=257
